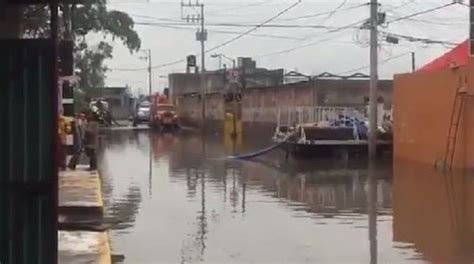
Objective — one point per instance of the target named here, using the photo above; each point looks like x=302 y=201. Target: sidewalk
x=81 y=208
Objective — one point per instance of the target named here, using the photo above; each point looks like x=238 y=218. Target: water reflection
x=434 y=212
x=327 y=191
x=205 y=209
x=372 y=211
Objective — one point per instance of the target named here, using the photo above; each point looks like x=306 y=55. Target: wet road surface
x=178 y=202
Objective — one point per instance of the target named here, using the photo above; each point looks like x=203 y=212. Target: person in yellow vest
x=63 y=130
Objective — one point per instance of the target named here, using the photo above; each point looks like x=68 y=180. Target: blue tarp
x=360 y=128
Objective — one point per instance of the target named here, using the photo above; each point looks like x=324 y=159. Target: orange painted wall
x=422 y=111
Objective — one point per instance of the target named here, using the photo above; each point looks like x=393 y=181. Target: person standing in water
x=91 y=139
x=89 y=133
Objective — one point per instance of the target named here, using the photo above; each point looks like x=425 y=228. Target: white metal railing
x=290 y=116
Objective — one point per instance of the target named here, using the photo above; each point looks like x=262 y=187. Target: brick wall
x=260 y=105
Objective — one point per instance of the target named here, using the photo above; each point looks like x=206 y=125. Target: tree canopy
x=91 y=16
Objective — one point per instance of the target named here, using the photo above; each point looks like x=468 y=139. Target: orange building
x=424 y=114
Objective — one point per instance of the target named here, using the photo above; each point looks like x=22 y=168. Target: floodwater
x=178 y=201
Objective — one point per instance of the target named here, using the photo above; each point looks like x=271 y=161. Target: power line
x=400 y=6
x=320 y=14
x=351 y=25
x=153 y=67
x=239 y=7
x=185 y=27
x=222 y=44
x=431 y=22
x=333 y=30
x=336 y=9
x=381 y=63
x=421 y=12
x=288 y=50
x=282 y=19
x=416 y=39
x=255 y=28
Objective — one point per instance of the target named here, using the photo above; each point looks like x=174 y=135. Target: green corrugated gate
x=27 y=174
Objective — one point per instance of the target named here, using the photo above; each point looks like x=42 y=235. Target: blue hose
x=260 y=152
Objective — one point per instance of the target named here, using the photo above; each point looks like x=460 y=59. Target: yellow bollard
x=232 y=132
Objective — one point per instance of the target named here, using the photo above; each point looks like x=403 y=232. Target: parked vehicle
x=100 y=108
x=165 y=117
x=142 y=113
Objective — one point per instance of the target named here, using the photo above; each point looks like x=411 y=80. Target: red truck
x=163 y=114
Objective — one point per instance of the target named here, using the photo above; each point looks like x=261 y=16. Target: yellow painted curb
x=100 y=197
x=105 y=251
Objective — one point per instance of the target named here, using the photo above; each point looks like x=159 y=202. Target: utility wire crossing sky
x=310 y=37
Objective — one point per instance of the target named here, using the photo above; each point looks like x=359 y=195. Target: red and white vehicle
x=163 y=114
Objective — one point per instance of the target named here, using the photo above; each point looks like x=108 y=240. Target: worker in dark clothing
x=91 y=138
x=78 y=132
x=89 y=132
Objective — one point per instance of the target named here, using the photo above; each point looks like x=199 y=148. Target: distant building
x=119 y=98
x=249 y=75
x=264 y=92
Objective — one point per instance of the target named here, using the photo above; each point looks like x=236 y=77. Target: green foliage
x=90 y=61
x=91 y=16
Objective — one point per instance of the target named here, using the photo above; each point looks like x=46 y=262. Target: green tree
x=91 y=16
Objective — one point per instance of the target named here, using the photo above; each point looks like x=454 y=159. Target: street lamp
x=220 y=56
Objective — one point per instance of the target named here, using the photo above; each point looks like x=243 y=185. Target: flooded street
x=179 y=201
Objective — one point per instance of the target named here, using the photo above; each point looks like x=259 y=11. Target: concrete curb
x=81 y=199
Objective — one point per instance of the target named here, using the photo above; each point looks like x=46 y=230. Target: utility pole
x=149 y=73
x=413 y=64
x=201 y=36
x=148 y=58
x=373 y=120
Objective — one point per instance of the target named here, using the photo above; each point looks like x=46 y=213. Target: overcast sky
x=307 y=50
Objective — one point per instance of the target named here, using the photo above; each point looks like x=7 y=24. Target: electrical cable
x=154 y=67
x=380 y=63
x=232 y=32
x=421 y=12
x=415 y=39
x=254 y=28
x=222 y=44
x=288 y=50
x=400 y=6
x=337 y=29
x=238 y=7
x=321 y=14
x=335 y=10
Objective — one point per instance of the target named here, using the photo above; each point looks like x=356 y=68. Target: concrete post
x=373 y=79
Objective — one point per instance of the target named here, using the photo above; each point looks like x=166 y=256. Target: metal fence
x=290 y=116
